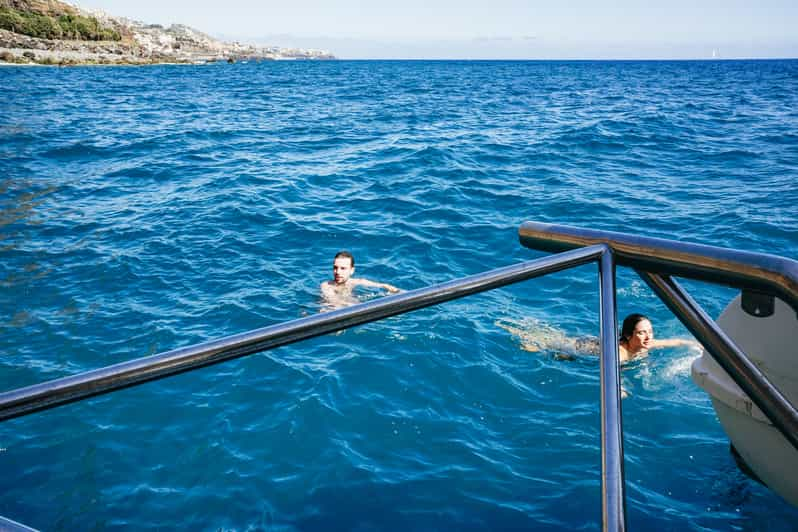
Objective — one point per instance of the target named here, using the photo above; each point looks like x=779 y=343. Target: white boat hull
x=771 y=343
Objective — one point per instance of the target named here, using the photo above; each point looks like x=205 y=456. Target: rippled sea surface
x=144 y=209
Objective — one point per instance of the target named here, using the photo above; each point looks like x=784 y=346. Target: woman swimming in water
x=636 y=338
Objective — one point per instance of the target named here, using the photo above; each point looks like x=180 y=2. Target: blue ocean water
x=144 y=209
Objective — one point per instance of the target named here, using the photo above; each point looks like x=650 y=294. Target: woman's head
x=636 y=332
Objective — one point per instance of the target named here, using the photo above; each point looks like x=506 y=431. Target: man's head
x=343 y=267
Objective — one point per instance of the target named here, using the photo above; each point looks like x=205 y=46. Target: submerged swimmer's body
x=636 y=339
x=337 y=292
x=536 y=336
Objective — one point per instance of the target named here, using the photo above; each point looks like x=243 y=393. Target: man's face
x=342 y=270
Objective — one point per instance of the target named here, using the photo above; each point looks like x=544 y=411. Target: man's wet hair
x=345 y=255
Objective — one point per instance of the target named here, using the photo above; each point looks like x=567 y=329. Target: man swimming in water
x=337 y=292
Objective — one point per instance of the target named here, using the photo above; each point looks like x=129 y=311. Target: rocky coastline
x=138 y=43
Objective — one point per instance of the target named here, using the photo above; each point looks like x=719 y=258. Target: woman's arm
x=675 y=342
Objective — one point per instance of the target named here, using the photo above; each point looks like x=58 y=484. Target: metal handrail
x=740 y=269
x=57 y=392
x=653 y=257
x=613 y=500
x=9 y=525
x=50 y=394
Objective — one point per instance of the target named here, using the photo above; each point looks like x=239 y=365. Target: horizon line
x=708 y=59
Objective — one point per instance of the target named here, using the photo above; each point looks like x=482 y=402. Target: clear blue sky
x=495 y=29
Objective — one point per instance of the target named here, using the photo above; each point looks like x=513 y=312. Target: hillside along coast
x=51 y=32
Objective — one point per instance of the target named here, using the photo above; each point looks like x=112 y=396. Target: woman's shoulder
x=623 y=354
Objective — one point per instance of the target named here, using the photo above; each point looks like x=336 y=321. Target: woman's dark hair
x=629 y=323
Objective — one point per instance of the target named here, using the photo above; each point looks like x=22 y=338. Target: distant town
x=58 y=33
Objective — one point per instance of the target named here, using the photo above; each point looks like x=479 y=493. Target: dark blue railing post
x=613 y=500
